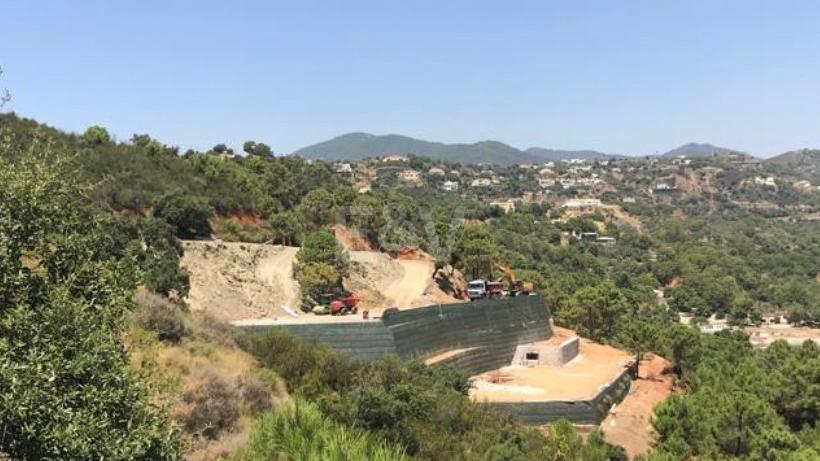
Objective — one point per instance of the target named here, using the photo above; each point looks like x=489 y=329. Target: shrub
x=256 y=394
x=161 y=317
x=208 y=405
x=186 y=213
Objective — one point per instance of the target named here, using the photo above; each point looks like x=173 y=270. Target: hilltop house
x=411 y=176
x=394 y=158
x=436 y=171
x=481 y=182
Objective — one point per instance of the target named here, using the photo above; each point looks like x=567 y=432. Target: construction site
x=517 y=359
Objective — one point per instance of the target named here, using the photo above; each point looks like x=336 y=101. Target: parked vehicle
x=480 y=289
x=336 y=305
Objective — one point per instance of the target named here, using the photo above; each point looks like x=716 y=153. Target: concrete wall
x=556 y=356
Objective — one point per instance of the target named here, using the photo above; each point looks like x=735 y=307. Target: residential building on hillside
x=506 y=205
x=412 y=176
x=450 y=186
x=481 y=182
x=582 y=203
x=394 y=158
x=436 y=171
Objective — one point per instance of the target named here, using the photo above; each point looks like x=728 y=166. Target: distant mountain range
x=357 y=146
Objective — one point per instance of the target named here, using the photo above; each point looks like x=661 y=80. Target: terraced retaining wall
x=489 y=330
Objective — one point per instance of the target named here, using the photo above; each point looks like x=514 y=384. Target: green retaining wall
x=358 y=340
x=491 y=329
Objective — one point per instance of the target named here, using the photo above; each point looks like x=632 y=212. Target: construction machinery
x=517 y=287
x=480 y=289
x=336 y=305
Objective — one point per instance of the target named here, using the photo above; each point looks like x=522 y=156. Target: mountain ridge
x=359 y=145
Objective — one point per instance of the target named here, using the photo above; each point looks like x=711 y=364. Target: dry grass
x=214 y=389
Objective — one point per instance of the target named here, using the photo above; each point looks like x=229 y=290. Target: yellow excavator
x=517 y=287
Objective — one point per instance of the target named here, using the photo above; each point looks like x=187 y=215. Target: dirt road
x=630 y=426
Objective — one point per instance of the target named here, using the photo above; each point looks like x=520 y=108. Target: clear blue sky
x=620 y=76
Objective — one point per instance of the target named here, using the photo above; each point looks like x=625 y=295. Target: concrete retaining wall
x=489 y=331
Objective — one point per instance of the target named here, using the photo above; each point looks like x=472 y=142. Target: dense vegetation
x=66 y=388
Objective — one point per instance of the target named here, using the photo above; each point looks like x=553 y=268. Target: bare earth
x=630 y=425
x=252 y=282
x=582 y=378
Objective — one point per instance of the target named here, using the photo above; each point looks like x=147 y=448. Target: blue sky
x=628 y=76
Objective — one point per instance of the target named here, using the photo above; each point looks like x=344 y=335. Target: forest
x=86 y=221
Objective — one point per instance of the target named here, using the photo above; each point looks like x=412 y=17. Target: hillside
x=356 y=146
x=803 y=164
x=694 y=149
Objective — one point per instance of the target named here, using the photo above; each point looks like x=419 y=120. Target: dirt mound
x=238 y=281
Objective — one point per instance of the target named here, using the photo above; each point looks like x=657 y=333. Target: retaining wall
x=357 y=340
x=491 y=329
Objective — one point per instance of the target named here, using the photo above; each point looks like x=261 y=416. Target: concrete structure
x=476 y=338
x=436 y=171
x=481 y=182
x=546 y=353
x=394 y=158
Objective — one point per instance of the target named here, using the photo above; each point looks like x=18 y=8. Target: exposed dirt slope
x=237 y=281
x=630 y=425
x=240 y=280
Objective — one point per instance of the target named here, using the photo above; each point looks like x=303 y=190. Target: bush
x=301 y=432
x=161 y=317
x=186 y=213
x=256 y=394
x=208 y=405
